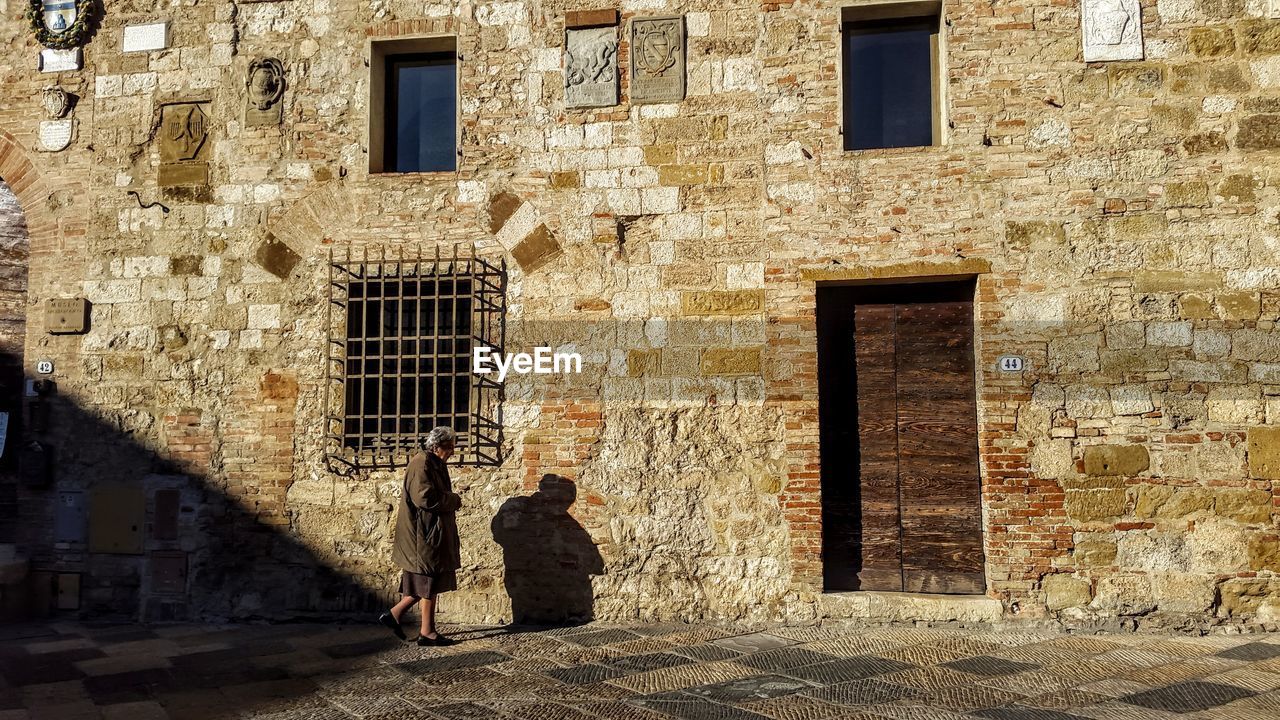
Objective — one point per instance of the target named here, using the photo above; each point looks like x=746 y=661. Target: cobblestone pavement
x=322 y=672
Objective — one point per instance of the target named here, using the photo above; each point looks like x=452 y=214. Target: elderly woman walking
x=426 y=539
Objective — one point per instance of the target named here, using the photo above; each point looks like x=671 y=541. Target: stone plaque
x=146 y=38
x=66 y=315
x=265 y=85
x=56 y=135
x=1112 y=30
x=657 y=59
x=1275 y=9
x=184 y=135
x=59 y=60
x=591 y=67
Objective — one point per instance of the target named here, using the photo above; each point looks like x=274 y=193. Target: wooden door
x=917 y=459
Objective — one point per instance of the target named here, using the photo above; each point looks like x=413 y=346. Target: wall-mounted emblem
x=58 y=131
x=1111 y=29
x=265 y=85
x=184 y=134
x=591 y=67
x=657 y=59
x=60 y=24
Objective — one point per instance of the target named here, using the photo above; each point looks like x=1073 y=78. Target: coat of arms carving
x=1112 y=30
x=657 y=59
x=591 y=67
x=60 y=24
x=265 y=87
x=184 y=135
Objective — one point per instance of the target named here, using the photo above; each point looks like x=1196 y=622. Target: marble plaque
x=1111 y=29
x=1275 y=9
x=56 y=135
x=59 y=60
x=657 y=59
x=591 y=67
x=146 y=38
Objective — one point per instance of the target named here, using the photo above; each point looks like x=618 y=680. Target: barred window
x=401 y=334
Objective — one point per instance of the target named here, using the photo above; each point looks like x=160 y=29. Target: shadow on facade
x=548 y=556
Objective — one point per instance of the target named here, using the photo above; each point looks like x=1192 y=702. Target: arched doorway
x=14 y=256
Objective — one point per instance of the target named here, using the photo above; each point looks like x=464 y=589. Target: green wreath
x=75 y=35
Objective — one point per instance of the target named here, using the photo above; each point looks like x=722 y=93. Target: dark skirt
x=426 y=586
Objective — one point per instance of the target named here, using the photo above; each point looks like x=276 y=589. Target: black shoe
x=437 y=641
x=389 y=621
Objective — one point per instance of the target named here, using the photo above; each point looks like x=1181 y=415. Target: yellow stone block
x=1264 y=452
x=1239 y=305
x=731 y=361
x=660 y=154
x=723 y=302
x=567 y=179
x=643 y=362
x=675 y=175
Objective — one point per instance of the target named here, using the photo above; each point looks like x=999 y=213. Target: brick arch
x=32 y=193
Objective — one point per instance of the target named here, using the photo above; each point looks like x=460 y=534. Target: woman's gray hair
x=442 y=436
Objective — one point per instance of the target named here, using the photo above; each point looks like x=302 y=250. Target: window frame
x=481 y=442
x=894 y=13
x=380 y=54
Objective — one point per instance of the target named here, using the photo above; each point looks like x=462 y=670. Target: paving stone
x=619 y=711
x=696 y=709
x=1259 y=681
x=795 y=707
x=756 y=687
x=811 y=634
x=1187 y=696
x=754 y=642
x=988 y=665
x=541 y=711
x=683 y=676
x=453 y=662
x=599 y=637
x=463 y=711
x=644 y=663
x=582 y=674
x=854 y=646
x=1178 y=648
x=860 y=692
x=929 y=678
x=783 y=658
x=640 y=646
x=1184 y=670
x=908 y=712
x=962 y=698
x=921 y=655
x=1016 y=712
x=1063 y=699
x=846 y=669
x=1251 y=651
x=362 y=647
x=707 y=652
x=366 y=705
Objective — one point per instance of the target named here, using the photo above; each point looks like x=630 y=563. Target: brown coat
x=426 y=539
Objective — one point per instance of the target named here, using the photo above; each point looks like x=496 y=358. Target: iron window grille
x=401 y=334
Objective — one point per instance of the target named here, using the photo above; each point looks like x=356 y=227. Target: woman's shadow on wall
x=548 y=557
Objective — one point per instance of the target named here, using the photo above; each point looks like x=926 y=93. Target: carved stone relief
x=1111 y=29
x=184 y=136
x=265 y=85
x=657 y=59
x=591 y=67
x=58 y=131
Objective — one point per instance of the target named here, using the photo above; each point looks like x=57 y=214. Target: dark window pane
x=888 y=95
x=421 y=112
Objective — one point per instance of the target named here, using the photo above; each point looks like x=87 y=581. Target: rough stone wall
x=1121 y=218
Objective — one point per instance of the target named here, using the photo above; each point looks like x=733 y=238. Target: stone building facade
x=1119 y=222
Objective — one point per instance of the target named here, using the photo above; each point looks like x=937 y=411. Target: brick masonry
x=1121 y=219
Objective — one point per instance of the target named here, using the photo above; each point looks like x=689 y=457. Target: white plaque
x=1011 y=363
x=145 y=38
x=591 y=67
x=1275 y=8
x=1111 y=30
x=44 y=367
x=59 y=60
x=56 y=135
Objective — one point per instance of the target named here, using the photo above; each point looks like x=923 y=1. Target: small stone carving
x=184 y=134
x=56 y=102
x=591 y=67
x=265 y=85
x=1112 y=30
x=53 y=60
x=657 y=59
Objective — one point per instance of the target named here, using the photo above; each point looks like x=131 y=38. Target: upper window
x=413 y=123
x=891 y=76
x=401 y=336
